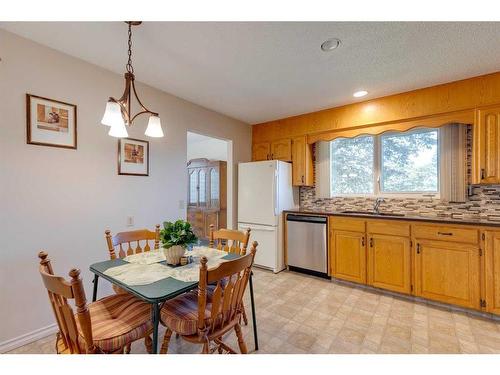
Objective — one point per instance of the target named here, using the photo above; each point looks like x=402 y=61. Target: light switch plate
x=181 y=204
x=130 y=221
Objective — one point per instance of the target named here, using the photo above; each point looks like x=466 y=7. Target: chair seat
x=180 y=314
x=117 y=321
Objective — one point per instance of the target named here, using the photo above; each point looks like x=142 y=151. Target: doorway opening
x=209 y=183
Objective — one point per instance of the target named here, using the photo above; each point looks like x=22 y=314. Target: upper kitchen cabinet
x=261 y=151
x=487 y=146
x=302 y=162
x=276 y=150
x=281 y=150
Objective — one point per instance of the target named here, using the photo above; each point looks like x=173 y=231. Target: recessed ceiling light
x=359 y=94
x=330 y=44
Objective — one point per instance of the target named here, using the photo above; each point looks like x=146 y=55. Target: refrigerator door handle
x=265 y=229
x=276 y=194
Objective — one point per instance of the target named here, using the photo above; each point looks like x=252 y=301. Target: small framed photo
x=133 y=157
x=50 y=122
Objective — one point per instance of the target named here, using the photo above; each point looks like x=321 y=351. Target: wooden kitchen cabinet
x=261 y=151
x=348 y=249
x=281 y=150
x=276 y=150
x=448 y=272
x=492 y=271
x=302 y=163
x=389 y=262
x=486 y=146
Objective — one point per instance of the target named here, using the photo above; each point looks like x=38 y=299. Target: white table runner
x=144 y=268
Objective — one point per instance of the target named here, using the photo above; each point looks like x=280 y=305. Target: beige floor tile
x=351 y=336
x=302 y=314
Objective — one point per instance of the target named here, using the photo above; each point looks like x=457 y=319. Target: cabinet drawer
x=349 y=224
x=393 y=228
x=446 y=233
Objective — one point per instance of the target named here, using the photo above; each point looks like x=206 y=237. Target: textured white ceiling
x=262 y=71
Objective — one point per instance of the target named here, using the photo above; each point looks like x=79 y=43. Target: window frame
x=377 y=170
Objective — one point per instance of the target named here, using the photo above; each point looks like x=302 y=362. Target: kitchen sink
x=372 y=213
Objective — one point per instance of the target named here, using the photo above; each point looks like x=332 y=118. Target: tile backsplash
x=482 y=203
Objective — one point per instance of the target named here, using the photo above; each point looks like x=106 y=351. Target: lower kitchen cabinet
x=389 y=262
x=348 y=255
x=492 y=271
x=448 y=272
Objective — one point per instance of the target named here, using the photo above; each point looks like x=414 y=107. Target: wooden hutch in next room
x=207 y=195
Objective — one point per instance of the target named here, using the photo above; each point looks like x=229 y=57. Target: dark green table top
x=156 y=292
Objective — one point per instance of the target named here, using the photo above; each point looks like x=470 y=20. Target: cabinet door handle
x=418 y=248
x=445 y=233
x=363 y=241
x=272 y=156
x=302 y=179
x=483 y=174
x=371 y=242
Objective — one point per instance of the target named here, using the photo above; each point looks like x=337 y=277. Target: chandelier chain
x=129 y=66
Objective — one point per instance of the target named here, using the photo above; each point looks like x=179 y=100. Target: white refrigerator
x=264 y=191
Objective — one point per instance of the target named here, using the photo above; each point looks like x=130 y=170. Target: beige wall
x=62 y=200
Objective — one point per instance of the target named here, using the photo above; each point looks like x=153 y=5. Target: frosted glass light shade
x=118 y=130
x=112 y=114
x=154 y=127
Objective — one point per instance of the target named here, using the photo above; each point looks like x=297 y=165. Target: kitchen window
x=397 y=164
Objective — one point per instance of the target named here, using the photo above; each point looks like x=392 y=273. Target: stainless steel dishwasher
x=307 y=249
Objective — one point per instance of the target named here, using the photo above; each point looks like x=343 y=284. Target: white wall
x=62 y=200
x=199 y=146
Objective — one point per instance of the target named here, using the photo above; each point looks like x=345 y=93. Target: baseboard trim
x=27 y=338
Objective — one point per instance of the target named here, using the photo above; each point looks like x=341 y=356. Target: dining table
x=159 y=291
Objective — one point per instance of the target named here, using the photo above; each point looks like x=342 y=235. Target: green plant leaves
x=179 y=232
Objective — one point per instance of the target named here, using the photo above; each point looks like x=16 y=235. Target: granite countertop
x=388 y=216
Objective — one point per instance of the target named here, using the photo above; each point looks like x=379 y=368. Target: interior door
x=448 y=272
x=348 y=260
x=389 y=262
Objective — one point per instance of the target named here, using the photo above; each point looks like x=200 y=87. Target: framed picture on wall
x=133 y=157
x=50 y=122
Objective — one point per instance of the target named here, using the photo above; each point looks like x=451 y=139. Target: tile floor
x=302 y=314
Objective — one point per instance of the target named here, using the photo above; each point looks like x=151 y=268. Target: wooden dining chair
x=132 y=241
x=108 y=325
x=231 y=241
x=201 y=319
x=129 y=243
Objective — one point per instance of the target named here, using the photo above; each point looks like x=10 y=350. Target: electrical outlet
x=130 y=221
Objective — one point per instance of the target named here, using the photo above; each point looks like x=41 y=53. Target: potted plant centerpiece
x=175 y=237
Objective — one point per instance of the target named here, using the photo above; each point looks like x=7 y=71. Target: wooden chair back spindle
x=129 y=243
x=60 y=291
x=230 y=279
x=228 y=240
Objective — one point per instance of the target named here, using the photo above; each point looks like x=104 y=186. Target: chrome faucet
x=376 y=206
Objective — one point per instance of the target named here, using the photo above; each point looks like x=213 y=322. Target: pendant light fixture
x=118 y=113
